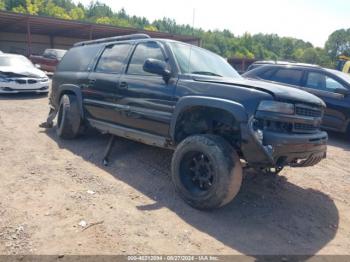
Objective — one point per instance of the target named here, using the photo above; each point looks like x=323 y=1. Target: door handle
x=123 y=85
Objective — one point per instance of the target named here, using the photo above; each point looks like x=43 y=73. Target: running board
x=132 y=134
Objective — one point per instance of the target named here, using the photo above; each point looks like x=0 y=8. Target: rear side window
x=78 y=59
x=288 y=76
x=266 y=74
x=112 y=59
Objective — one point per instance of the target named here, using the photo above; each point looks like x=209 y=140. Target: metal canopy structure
x=41 y=25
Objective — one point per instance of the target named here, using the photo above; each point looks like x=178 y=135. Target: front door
x=324 y=86
x=148 y=98
x=100 y=95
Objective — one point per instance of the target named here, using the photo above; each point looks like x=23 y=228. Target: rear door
x=148 y=98
x=100 y=95
x=324 y=85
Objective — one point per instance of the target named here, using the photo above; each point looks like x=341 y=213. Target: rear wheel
x=68 y=118
x=206 y=171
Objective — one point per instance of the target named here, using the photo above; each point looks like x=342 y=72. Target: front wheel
x=206 y=171
x=68 y=118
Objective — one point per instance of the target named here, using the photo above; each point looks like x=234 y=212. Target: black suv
x=332 y=86
x=178 y=96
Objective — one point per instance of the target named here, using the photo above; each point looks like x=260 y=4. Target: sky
x=310 y=20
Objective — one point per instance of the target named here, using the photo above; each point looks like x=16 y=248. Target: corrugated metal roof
x=17 y=23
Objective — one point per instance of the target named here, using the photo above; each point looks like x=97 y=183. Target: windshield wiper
x=207 y=73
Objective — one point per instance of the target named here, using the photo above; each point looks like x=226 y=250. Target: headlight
x=277 y=107
x=4 y=80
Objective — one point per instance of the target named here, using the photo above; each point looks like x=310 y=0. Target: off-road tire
x=68 y=117
x=227 y=175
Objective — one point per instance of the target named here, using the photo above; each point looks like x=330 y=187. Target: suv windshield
x=14 y=60
x=195 y=60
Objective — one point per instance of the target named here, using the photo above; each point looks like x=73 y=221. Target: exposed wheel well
x=66 y=92
x=78 y=96
x=207 y=120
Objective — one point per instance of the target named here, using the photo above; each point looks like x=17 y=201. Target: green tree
x=103 y=20
x=310 y=56
x=97 y=9
x=150 y=28
x=31 y=7
x=338 y=43
x=51 y=9
x=19 y=9
x=11 y=4
x=2 y=5
x=77 y=13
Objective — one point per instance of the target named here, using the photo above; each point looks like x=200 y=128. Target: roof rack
x=288 y=62
x=113 y=39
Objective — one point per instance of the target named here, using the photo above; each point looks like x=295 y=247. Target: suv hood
x=12 y=71
x=279 y=92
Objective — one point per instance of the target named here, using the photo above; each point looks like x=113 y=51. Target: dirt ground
x=48 y=186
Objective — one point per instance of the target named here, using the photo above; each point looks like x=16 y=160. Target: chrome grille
x=306 y=119
x=21 y=81
x=304 y=111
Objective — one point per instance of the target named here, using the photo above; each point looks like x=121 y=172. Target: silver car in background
x=18 y=75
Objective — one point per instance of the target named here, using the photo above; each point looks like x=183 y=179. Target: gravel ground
x=50 y=187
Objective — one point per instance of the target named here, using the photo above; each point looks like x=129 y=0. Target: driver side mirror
x=342 y=91
x=157 y=67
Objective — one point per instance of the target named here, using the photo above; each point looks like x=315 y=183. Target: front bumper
x=282 y=149
x=296 y=149
x=38 y=91
x=13 y=87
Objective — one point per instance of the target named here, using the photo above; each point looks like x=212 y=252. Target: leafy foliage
x=2 y=5
x=225 y=43
x=338 y=43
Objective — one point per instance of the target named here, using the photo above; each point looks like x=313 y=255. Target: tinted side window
x=321 y=81
x=251 y=67
x=142 y=52
x=47 y=53
x=112 y=59
x=78 y=58
x=267 y=73
x=288 y=76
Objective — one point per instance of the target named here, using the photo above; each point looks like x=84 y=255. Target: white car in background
x=18 y=75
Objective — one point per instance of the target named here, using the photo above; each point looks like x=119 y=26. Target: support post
x=108 y=150
x=90 y=33
x=29 y=39
x=52 y=43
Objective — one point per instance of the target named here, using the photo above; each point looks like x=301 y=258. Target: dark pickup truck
x=49 y=60
x=178 y=96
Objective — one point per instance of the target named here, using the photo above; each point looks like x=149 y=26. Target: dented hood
x=279 y=92
x=19 y=71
